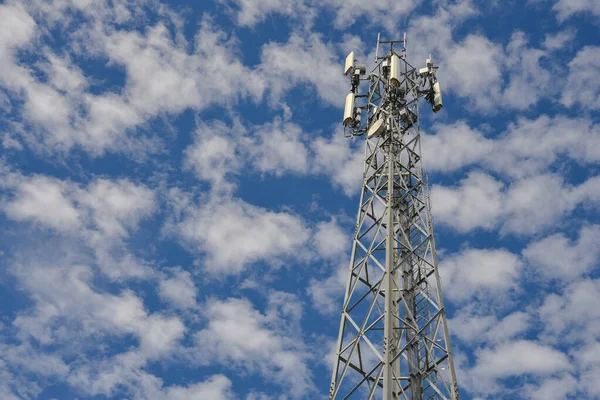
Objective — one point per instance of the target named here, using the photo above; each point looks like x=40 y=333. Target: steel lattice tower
x=393 y=340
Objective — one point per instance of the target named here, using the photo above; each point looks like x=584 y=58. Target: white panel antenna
x=349 y=63
x=349 y=108
x=395 y=70
x=436 y=102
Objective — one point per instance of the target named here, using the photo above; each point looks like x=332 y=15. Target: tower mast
x=393 y=340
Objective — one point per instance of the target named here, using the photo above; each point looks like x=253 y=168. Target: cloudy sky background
x=177 y=198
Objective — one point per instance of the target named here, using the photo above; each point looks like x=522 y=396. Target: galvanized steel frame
x=393 y=338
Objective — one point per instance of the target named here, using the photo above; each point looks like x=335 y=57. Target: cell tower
x=393 y=340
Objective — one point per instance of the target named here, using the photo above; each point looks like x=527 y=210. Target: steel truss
x=393 y=338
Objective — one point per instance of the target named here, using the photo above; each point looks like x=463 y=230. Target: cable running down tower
x=393 y=339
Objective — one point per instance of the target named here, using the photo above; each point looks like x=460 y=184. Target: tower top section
x=394 y=84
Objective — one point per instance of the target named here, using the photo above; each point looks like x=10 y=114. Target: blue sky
x=177 y=198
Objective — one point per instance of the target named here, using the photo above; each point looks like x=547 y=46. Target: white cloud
x=240 y=336
x=346 y=13
x=219 y=152
x=117 y=206
x=111 y=207
x=14 y=388
x=25 y=357
x=473 y=327
x=216 y=387
x=277 y=147
x=454 y=147
x=330 y=239
x=164 y=75
x=341 y=159
x=99 y=216
x=566 y=8
x=559 y=40
x=530 y=146
x=582 y=88
x=553 y=388
x=484 y=273
x=305 y=59
x=536 y=203
x=18 y=27
x=470 y=327
x=558 y=257
x=474 y=70
x=382 y=12
x=252 y=12
x=588 y=357
x=213 y=155
x=518 y=358
x=179 y=79
x=527 y=147
x=63 y=74
x=8 y=142
x=526 y=207
x=178 y=290
x=573 y=316
x=234 y=234
x=325 y=293
x=476 y=202
x=109 y=377
x=528 y=79
x=38 y=195
x=589 y=383
x=65 y=293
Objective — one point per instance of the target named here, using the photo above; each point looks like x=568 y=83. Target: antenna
x=352 y=113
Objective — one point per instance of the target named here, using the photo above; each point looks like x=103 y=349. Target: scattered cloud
x=234 y=234
x=521 y=357
x=556 y=256
x=305 y=59
x=473 y=327
x=164 y=75
x=341 y=159
x=559 y=40
x=101 y=214
x=179 y=289
x=554 y=388
x=565 y=9
x=476 y=203
x=252 y=12
x=489 y=274
x=572 y=316
x=526 y=148
x=241 y=336
x=582 y=89
x=528 y=206
x=325 y=293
